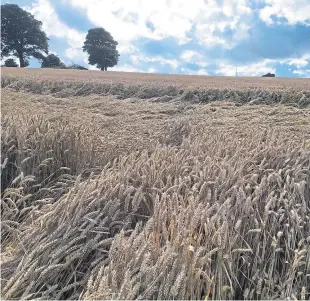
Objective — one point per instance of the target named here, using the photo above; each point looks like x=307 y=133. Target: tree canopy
x=51 y=61
x=21 y=34
x=10 y=63
x=101 y=48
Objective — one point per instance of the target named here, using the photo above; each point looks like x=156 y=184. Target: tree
x=269 y=75
x=10 y=63
x=101 y=48
x=51 y=61
x=21 y=34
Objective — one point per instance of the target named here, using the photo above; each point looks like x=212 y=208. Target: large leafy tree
x=101 y=48
x=52 y=61
x=21 y=34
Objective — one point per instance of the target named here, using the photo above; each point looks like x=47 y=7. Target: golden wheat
x=205 y=206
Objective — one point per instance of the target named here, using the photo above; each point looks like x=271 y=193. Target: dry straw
x=204 y=214
x=207 y=218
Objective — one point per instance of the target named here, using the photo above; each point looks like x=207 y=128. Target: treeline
x=53 y=61
x=22 y=37
x=50 y=61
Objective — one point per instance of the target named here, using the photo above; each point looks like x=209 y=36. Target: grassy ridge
x=297 y=98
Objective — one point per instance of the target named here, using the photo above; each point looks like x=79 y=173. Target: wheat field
x=135 y=186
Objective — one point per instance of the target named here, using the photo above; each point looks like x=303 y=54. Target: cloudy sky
x=213 y=37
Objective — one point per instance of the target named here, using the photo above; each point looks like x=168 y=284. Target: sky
x=201 y=37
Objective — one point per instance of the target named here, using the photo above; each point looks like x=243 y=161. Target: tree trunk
x=21 y=61
x=104 y=68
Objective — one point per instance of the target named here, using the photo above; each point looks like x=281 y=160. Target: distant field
x=158 y=187
x=184 y=81
x=159 y=87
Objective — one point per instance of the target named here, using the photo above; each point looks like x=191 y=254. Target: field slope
x=145 y=186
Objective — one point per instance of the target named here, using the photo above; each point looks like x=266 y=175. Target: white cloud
x=151 y=70
x=75 y=38
x=255 y=69
x=187 y=55
x=53 y=26
x=187 y=71
x=44 y=12
x=137 y=59
x=302 y=73
x=126 y=48
x=76 y=54
x=128 y=20
x=300 y=62
x=93 y=68
x=118 y=17
x=204 y=33
x=73 y=53
x=234 y=15
x=125 y=68
x=191 y=56
x=202 y=72
x=192 y=72
x=294 y=11
x=263 y=67
x=206 y=21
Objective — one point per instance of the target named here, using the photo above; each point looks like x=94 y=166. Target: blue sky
x=207 y=37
